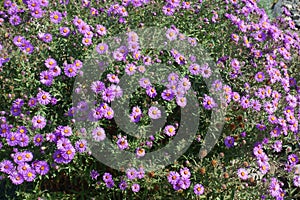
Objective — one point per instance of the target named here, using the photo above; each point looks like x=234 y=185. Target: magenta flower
x=242 y=173
x=198 y=189
x=98 y=134
x=55 y=17
x=38 y=122
x=154 y=112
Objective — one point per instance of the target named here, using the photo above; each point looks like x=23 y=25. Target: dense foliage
x=43 y=47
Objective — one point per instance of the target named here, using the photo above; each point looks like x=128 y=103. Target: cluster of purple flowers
x=23 y=168
x=23 y=44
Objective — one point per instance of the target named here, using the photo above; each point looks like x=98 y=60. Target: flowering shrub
x=249 y=59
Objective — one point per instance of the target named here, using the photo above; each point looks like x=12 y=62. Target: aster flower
x=55 y=17
x=70 y=70
x=12 y=138
x=123 y=185
x=185 y=173
x=144 y=82
x=30 y=175
x=38 y=122
x=101 y=30
x=293 y=159
x=140 y=152
x=180 y=59
x=229 y=141
x=15 y=20
x=206 y=71
x=46 y=78
x=208 y=102
x=113 y=78
x=167 y=95
x=19 y=158
x=154 y=112
x=41 y=167
x=6 y=166
x=43 y=97
x=130 y=69
x=38 y=140
x=68 y=153
x=86 y=41
x=98 y=87
x=102 y=48
x=37 y=13
x=296 y=181
x=260 y=76
x=131 y=173
x=32 y=102
x=66 y=131
x=16 y=178
x=98 y=134
x=173 y=177
x=151 y=92
x=122 y=143
x=198 y=189
x=94 y=174
x=64 y=31
x=171 y=34
x=135 y=187
x=107 y=177
x=168 y=10
x=242 y=173
x=81 y=145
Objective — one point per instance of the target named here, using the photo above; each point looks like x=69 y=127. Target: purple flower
x=151 y=92
x=68 y=153
x=123 y=185
x=46 y=78
x=94 y=174
x=170 y=130
x=102 y=48
x=296 y=181
x=277 y=146
x=194 y=69
x=206 y=71
x=208 y=102
x=12 y=138
x=6 y=166
x=131 y=173
x=140 y=152
x=135 y=187
x=185 y=173
x=101 y=30
x=81 y=145
x=229 y=141
x=173 y=177
x=70 y=70
x=30 y=175
x=260 y=76
x=38 y=122
x=122 y=143
x=87 y=41
x=41 y=167
x=113 y=78
x=37 y=12
x=293 y=159
x=98 y=134
x=38 y=140
x=107 y=177
x=198 y=189
x=32 y=102
x=19 y=158
x=167 y=95
x=55 y=17
x=43 y=97
x=184 y=183
x=64 y=31
x=171 y=34
x=15 y=20
x=16 y=178
x=242 y=173
x=154 y=112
